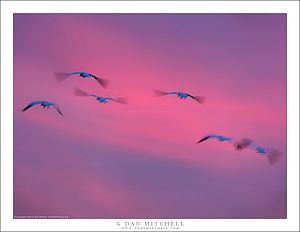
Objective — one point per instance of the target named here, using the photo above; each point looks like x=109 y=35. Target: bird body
x=261 y=150
x=44 y=104
x=82 y=74
x=181 y=95
x=104 y=99
x=100 y=99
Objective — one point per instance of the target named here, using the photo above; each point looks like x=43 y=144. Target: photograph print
x=150 y=116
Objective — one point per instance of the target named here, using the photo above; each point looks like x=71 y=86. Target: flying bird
x=272 y=155
x=61 y=76
x=44 y=104
x=100 y=99
x=181 y=95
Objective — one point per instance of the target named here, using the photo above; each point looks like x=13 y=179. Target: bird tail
x=122 y=100
x=274 y=156
x=79 y=92
x=159 y=93
x=199 y=99
x=60 y=76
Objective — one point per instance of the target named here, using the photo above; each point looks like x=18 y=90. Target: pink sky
x=141 y=160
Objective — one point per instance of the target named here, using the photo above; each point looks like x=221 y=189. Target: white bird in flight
x=100 y=99
x=272 y=155
x=101 y=81
x=44 y=104
x=181 y=95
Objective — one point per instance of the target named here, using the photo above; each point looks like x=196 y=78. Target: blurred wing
x=60 y=76
x=31 y=104
x=101 y=81
x=205 y=138
x=57 y=109
x=75 y=73
x=198 y=99
x=159 y=93
x=274 y=156
x=92 y=95
x=79 y=92
x=122 y=100
x=243 y=143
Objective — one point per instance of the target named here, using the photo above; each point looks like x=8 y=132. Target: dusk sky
x=141 y=160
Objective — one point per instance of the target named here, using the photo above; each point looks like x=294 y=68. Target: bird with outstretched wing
x=181 y=95
x=122 y=100
x=44 y=104
x=61 y=76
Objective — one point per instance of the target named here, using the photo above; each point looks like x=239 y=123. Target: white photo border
x=8 y=8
